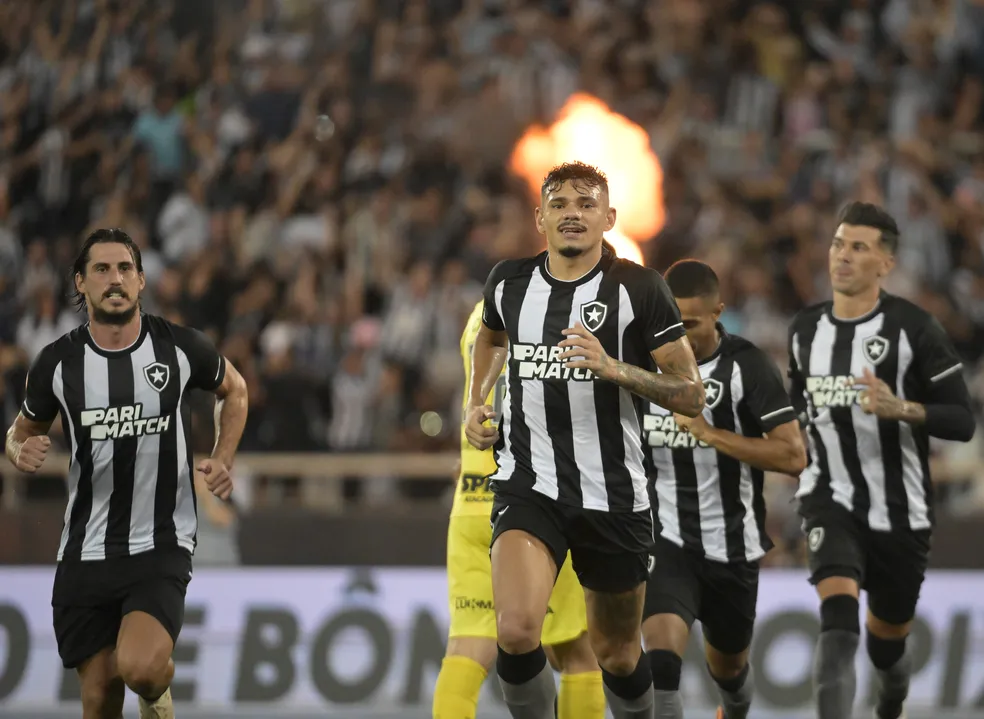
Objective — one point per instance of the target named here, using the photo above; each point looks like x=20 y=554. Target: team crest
x=713 y=392
x=875 y=349
x=157 y=375
x=593 y=315
x=815 y=538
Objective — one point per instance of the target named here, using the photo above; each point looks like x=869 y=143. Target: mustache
x=116 y=290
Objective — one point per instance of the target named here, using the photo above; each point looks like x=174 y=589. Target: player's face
x=111 y=285
x=700 y=316
x=858 y=260
x=574 y=218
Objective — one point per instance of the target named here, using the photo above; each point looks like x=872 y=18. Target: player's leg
x=568 y=648
x=837 y=565
x=611 y=560
x=527 y=548
x=672 y=602
x=103 y=690
x=727 y=615
x=153 y=612
x=897 y=567
x=471 y=650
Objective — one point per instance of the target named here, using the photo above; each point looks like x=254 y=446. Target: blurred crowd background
x=322 y=186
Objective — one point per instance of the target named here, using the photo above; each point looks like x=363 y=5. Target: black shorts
x=691 y=586
x=609 y=552
x=889 y=566
x=90 y=599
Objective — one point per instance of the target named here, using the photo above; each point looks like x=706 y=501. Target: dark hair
x=102 y=236
x=865 y=214
x=577 y=173
x=691 y=278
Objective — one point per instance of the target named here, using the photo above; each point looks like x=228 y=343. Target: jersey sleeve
x=797 y=381
x=490 y=312
x=765 y=393
x=40 y=403
x=660 y=321
x=936 y=358
x=208 y=366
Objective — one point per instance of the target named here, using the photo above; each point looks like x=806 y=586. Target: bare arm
x=677 y=386
x=488 y=357
x=781 y=450
x=231 y=405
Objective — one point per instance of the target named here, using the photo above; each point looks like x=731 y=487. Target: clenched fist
x=216 y=476
x=32 y=452
x=479 y=434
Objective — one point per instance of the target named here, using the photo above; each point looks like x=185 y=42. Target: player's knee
x=840 y=612
x=726 y=666
x=146 y=675
x=101 y=695
x=518 y=631
x=616 y=657
x=666 y=667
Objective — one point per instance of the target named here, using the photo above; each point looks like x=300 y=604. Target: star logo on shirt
x=713 y=392
x=593 y=315
x=157 y=375
x=875 y=349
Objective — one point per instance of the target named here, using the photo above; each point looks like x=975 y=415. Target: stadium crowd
x=321 y=186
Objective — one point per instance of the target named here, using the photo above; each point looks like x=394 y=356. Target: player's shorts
x=90 y=599
x=470 y=588
x=889 y=566
x=609 y=551
x=693 y=587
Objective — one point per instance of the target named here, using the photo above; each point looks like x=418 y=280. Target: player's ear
x=538 y=218
x=718 y=310
x=143 y=280
x=889 y=264
x=79 y=283
x=610 y=218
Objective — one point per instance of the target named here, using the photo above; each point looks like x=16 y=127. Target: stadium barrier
x=295 y=640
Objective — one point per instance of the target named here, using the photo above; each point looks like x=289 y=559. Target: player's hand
x=480 y=435
x=216 y=477
x=579 y=343
x=877 y=398
x=697 y=426
x=32 y=452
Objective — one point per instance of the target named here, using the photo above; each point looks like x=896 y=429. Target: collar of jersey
x=855 y=320
x=587 y=277
x=123 y=350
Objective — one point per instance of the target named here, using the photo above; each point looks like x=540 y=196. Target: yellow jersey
x=472 y=496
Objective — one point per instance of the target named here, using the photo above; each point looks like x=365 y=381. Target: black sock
x=735 y=683
x=520 y=668
x=633 y=685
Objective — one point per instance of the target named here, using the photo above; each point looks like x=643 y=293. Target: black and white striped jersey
x=703 y=499
x=877 y=469
x=130 y=482
x=562 y=433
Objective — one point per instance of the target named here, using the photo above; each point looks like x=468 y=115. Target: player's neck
x=115 y=337
x=851 y=307
x=711 y=347
x=568 y=269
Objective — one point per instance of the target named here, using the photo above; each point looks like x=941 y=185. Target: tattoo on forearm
x=674 y=392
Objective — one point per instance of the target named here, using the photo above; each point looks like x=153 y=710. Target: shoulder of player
x=639 y=281
x=913 y=317
x=69 y=344
x=508 y=269
x=809 y=315
x=744 y=351
x=180 y=335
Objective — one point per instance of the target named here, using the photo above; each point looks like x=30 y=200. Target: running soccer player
x=471 y=642
x=124 y=562
x=873 y=377
x=708 y=510
x=578 y=324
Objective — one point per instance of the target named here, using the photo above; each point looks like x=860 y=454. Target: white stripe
x=912 y=467
x=74 y=468
x=584 y=425
x=944 y=373
x=629 y=416
x=497 y=296
x=671 y=327
x=532 y=313
x=770 y=415
x=866 y=431
x=96 y=378
x=809 y=476
x=148 y=450
x=746 y=490
x=709 y=501
x=185 y=519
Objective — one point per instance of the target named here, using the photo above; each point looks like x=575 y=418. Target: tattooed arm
x=677 y=386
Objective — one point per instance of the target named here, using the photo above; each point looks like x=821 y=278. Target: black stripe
x=608 y=407
x=729 y=468
x=888 y=432
x=557 y=403
x=120 y=370
x=749 y=428
x=843 y=418
x=687 y=499
x=165 y=497
x=513 y=293
x=822 y=492
x=73 y=379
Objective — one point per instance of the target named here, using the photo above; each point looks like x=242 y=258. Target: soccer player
x=579 y=324
x=124 y=562
x=708 y=510
x=874 y=377
x=471 y=642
